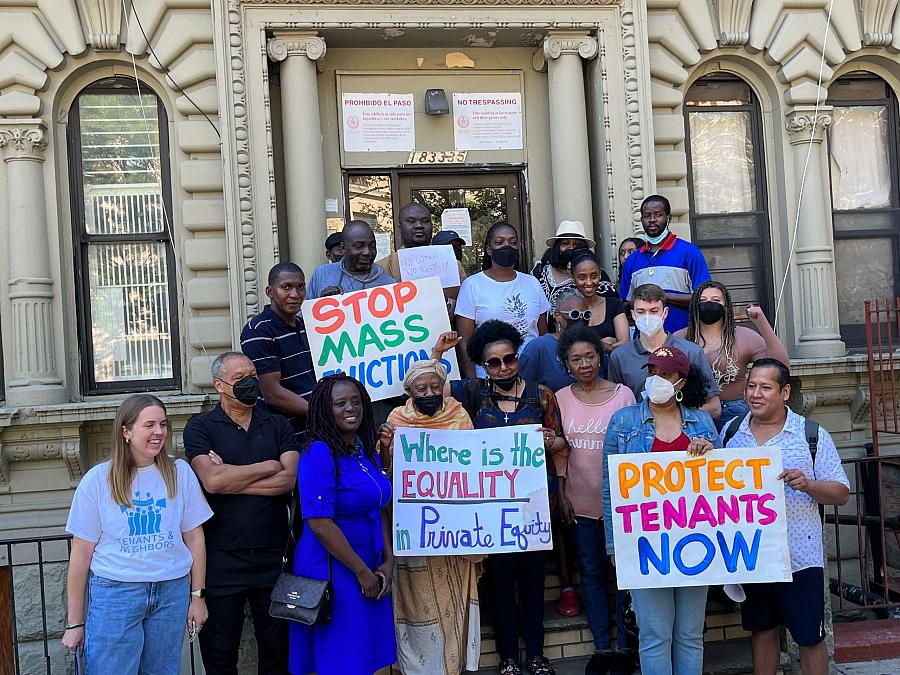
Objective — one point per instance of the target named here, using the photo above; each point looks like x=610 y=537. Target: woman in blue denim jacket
x=668 y=419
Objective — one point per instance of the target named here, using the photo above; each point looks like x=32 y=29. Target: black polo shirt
x=275 y=346
x=242 y=521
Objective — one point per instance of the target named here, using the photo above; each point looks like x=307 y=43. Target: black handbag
x=301 y=599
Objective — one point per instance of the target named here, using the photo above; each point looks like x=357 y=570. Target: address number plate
x=437 y=157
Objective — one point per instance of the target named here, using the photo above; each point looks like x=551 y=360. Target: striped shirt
x=275 y=346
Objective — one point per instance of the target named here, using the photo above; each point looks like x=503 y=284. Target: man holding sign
x=812 y=475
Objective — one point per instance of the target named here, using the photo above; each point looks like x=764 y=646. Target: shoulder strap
x=295 y=525
x=533 y=397
x=731 y=428
x=812 y=439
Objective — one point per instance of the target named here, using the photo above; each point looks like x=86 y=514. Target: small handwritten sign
x=421 y=262
x=375 y=335
x=482 y=491
x=695 y=521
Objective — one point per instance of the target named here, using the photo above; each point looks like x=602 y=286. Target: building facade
x=158 y=157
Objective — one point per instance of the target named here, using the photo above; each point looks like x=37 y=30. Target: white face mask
x=649 y=324
x=659 y=390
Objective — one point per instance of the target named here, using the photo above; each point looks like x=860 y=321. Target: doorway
x=490 y=196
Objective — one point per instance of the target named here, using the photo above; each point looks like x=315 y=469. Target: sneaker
x=509 y=667
x=568 y=603
x=599 y=663
x=539 y=665
x=623 y=662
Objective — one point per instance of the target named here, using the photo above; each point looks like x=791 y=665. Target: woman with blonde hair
x=436 y=611
x=137 y=540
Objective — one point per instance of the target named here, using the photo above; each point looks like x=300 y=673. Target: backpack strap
x=533 y=397
x=731 y=428
x=812 y=439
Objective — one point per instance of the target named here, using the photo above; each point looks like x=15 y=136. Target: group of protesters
x=653 y=361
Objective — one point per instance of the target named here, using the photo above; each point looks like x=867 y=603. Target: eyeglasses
x=577 y=314
x=508 y=360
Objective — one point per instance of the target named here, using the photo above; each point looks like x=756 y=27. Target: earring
x=679 y=396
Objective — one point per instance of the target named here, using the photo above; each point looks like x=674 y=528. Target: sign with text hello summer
x=694 y=521
x=375 y=335
x=482 y=491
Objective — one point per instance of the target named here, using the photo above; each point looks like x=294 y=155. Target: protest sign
x=458 y=492
x=694 y=521
x=459 y=221
x=375 y=335
x=421 y=262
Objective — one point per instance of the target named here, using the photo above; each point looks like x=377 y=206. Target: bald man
x=356 y=271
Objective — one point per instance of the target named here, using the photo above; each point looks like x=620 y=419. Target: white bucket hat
x=570 y=229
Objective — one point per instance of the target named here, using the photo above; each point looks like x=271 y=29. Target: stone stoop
x=866 y=640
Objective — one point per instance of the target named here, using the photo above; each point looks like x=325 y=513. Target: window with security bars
x=119 y=162
x=727 y=187
x=865 y=199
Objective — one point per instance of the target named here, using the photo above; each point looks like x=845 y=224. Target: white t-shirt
x=144 y=542
x=520 y=302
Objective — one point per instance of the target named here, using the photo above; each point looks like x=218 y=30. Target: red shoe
x=568 y=603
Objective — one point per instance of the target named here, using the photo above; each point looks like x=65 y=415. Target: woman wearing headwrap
x=436 y=613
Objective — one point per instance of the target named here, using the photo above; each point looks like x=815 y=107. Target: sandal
x=509 y=667
x=539 y=665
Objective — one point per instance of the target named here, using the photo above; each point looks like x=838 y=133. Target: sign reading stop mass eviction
x=696 y=521
x=487 y=121
x=482 y=491
x=378 y=122
x=375 y=335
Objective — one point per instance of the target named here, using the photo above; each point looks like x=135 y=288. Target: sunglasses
x=577 y=314
x=508 y=360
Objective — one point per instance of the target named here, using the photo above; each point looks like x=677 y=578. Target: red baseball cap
x=671 y=360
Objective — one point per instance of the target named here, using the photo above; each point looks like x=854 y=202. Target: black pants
x=235 y=578
x=507 y=571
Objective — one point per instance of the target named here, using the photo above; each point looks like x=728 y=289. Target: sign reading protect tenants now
x=375 y=335
x=481 y=491
x=694 y=521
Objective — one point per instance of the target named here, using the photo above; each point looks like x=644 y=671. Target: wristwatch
x=199 y=593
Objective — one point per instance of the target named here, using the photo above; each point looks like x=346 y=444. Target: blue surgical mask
x=657 y=240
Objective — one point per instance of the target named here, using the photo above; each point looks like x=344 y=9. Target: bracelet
x=70 y=626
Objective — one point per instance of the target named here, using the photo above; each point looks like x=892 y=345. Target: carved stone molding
x=22 y=143
x=558 y=43
x=438 y=3
x=804 y=402
x=104 y=23
x=877 y=17
x=4 y=471
x=69 y=450
x=284 y=45
x=807 y=126
x=734 y=22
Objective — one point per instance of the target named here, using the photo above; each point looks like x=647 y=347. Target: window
x=726 y=184
x=370 y=200
x=121 y=205
x=862 y=147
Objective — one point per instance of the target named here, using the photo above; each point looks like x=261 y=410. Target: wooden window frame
x=854 y=334
x=763 y=242
x=82 y=241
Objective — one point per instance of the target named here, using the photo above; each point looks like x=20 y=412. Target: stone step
x=866 y=640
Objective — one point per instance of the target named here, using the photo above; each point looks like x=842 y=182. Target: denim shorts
x=135 y=627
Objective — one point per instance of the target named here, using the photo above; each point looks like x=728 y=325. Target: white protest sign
x=487 y=121
x=375 y=335
x=421 y=262
x=695 y=521
x=378 y=122
x=459 y=221
x=482 y=491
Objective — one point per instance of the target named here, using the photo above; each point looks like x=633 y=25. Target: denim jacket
x=632 y=430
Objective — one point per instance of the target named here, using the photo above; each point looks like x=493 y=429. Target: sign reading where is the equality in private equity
x=378 y=122
x=487 y=121
x=693 y=521
x=482 y=491
x=375 y=335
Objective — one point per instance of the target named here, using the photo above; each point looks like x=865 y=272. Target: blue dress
x=359 y=639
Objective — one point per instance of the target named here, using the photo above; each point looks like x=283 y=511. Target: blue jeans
x=671 y=625
x=593 y=565
x=736 y=407
x=135 y=627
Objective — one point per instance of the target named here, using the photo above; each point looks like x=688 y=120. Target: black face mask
x=506 y=383
x=429 y=405
x=711 y=312
x=246 y=390
x=505 y=256
x=458 y=253
x=576 y=323
x=565 y=257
